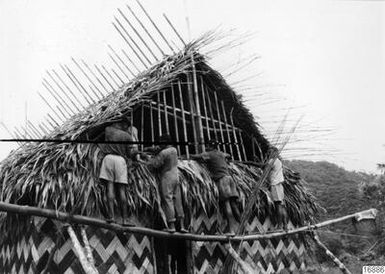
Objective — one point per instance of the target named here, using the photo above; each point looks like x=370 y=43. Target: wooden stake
x=159 y=117
x=87 y=246
x=109 y=74
x=198 y=117
x=130 y=60
x=104 y=77
x=175 y=118
x=64 y=92
x=117 y=75
x=145 y=29
x=81 y=89
x=212 y=115
x=341 y=266
x=49 y=105
x=174 y=29
x=165 y=112
x=235 y=135
x=227 y=130
x=191 y=101
x=137 y=34
x=119 y=67
x=120 y=59
x=152 y=124
x=100 y=95
x=75 y=84
x=128 y=43
x=58 y=100
x=243 y=146
x=183 y=118
x=205 y=108
x=219 y=121
x=87 y=267
x=160 y=33
x=93 y=74
x=142 y=126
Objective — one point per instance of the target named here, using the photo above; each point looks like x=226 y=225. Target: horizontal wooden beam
x=84 y=220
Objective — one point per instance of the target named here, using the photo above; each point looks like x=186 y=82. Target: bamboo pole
x=145 y=29
x=220 y=120
x=130 y=60
x=64 y=92
x=57 y=98
x=191 y=101
x=84 y=220
x=212 y=116
x=109 y=74
x=87 y=246
x=68 y=89
x=81 y=89
x=152 y=124
x=133 y=40
x=205 y=108
x=75 y=84
x=245 y=267
x=43 y=128
x=117 y=76
x=243 y=146
x=51 y=255
x=119 y=67
x=174 y=29
x=159 y=117
x=87 y=267
x=142 y=126
x=138 y=34
x=198 y=116
x=165 y=112
x=104 y=77
x=227 y=130
x=235 y=135
x=49 y=105
x=89 y=79
x=127 y=42
x=155 y=26
x=93 y=74
x=183 y=118
x=175 y=118
x=335 y=260
x=120 y=59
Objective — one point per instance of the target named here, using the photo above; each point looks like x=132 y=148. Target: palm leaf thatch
x=64 y=176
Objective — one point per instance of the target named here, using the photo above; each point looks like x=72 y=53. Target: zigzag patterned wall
x=265 y=256
x=113 y=253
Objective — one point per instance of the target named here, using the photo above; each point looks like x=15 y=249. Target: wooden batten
x=220 y=120
x=159 y=117
x=175 y=118
x=227 y=130
x=235 y=136
x=152 y=124
x=192 y=110
x=205 y=108
x=198 y=116
x=242 y=145
x=183 y=118
x=212 y=115
x=142 y=126
x=165 y=112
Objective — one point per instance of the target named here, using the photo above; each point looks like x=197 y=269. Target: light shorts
x=277 y=192
x=114 y=169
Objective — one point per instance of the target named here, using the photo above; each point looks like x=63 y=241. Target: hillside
x=336 y=189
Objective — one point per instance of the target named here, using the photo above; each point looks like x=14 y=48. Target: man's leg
x=230 y=217
x=111 y=199
x=168 y=203
x=179 y=208
x=123 y=203
x=235 y=209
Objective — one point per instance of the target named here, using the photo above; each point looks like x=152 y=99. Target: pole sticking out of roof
x=120 y=59
x=128 y=43
x=57 y=98
x=104 y=77
x=93 y=74
x=49 y=105
x=117 y=76
x=130 y=60
x=119 y=67
x=74 y=83
x=80 y=84
x=140 y=37
x=112 y=78
x=155 y=26
x=89 y=79
x=174 y=29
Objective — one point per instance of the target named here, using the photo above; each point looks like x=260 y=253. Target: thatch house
x=181 y=95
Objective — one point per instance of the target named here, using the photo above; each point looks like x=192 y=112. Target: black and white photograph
x=181 y=136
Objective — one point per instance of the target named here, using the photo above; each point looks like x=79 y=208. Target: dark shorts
x=227 y=188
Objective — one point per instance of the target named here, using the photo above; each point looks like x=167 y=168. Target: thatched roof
x=65 y=176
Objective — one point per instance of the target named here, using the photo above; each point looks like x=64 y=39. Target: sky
x=321 y=64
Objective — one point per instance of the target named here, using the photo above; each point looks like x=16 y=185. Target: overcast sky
x=323 y=59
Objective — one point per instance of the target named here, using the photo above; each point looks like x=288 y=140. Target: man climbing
x=113 y=171
x=276 y=180
x=165 y=162
x=228 y=194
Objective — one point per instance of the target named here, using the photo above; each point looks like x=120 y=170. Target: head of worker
x=212 y=144
x=272 y=152
x=165 y=140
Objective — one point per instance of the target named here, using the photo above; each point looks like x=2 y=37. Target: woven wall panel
x=113 y=253
x=265 y=256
